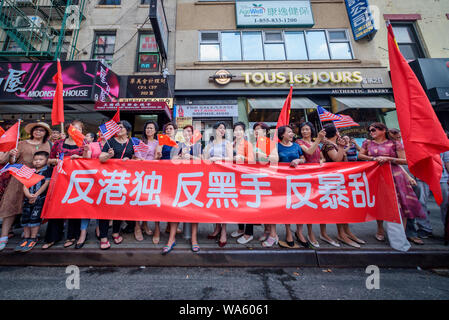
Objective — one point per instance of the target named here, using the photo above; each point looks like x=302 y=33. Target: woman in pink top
x=310 y=145
x=149 y=136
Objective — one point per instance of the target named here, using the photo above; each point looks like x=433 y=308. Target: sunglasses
x=372 y=130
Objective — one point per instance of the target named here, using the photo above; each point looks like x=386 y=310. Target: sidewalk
x=132 y=253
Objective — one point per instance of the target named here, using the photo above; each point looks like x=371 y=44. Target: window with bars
x=408 y=41
x=104 y=45
x=275 y=45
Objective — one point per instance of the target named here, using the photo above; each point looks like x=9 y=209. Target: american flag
x=345 y=121
x=326 y=115
x=139 y=145
x=109 y=129
x=59 y=168
x=20 y=170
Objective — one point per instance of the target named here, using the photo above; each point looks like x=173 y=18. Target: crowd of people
x=44 y=147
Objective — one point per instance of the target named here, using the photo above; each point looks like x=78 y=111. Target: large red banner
x=223 y=192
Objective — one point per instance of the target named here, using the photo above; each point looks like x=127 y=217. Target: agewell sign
x=290 y=13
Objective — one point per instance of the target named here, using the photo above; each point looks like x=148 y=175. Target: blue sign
x=362 y=21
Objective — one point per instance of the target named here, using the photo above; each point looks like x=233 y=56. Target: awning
x=277 y=103
x=344 y=103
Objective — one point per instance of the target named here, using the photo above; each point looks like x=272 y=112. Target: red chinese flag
x=196 y=137
x=8 y=140
x=165 y=140
x=1 y=131
x=116 y=117
x=284 y=117
x=424 y=138
x=57 y=113
x=265 y=144
x=77 y=136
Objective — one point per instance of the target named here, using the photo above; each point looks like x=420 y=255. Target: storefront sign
x=274 y=14
x=362 y=21
x=167 y=101
x=148 y=87
x=159 y=25
x=134 y=106
x=297 y=78
x=222 y=77
x=196 y=111
x=177 y=191
x=33 y=81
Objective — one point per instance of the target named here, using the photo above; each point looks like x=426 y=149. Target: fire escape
x=39 y=29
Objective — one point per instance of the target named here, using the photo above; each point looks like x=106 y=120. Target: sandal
x=138 y=234
x=331 y=242
x=48 y=245
x=349 y=243
x=379 y=237
x=69 y=242
x=118 y=239
x=355 y=239
x=105 y=243
x=270 y=242
x=3 y=243
x=195 y=248
x=264 y=237
x=416 y=241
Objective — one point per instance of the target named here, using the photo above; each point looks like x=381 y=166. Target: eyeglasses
x=40 y=129
x=372 y=130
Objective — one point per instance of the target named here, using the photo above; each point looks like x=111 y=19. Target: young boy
x=34 y=202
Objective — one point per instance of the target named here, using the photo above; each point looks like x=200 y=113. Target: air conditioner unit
x=29 y=24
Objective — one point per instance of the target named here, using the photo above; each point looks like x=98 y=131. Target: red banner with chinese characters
x=222 y=192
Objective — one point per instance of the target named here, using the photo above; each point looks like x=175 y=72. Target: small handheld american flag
x=19 y=170
x=326 y=115
x=139 y=145
x=109 y=129
x=345 y=121
x=59 y=168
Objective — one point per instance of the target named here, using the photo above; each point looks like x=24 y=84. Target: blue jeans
x=423 y=193
x=85 y=224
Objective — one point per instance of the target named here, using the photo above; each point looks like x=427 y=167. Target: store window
x=145 y=1
x=148 y=54
x=104 y=45
x=275 y=45
x=110 y=2
x=408 y=41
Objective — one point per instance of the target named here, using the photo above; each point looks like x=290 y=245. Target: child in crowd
x=34 y=202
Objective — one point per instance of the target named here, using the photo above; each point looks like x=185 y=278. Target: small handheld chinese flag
x=196 y=137
x=424 y=138
x=165 y=140
x=77 y=136
x=284 y=117
x=8 y=140
x=116 y=117
x=265 y=145
x=25 y=175
x=57 y=112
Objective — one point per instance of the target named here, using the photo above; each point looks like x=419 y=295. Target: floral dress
x=409 y=205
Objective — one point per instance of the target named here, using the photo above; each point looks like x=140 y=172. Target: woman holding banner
x=12 y=200
x=218 y=149
x=383 y=149
x=243 y=153
x=118 y=147
x=188 y=150
x=334 y=151
x=310 y=146
x=55 y=227
x=150 y=129
x=261 y=132
x=291 y=153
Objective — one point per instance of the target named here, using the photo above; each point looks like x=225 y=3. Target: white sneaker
x=237 y=234
x=243 y=240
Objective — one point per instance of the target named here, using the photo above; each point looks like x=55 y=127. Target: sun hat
x=29 y=127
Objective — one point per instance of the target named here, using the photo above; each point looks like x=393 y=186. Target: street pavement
x=136 y=283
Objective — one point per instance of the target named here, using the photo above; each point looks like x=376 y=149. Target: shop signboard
x=290 y=13
x=130 y=105
x=159 y=25
x=361 y=19
x=149 y=86
x=200 y=111
x=84 y=81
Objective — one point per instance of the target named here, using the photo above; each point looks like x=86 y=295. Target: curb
x=125 y=257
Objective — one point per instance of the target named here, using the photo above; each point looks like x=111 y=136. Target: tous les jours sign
x=313 y=79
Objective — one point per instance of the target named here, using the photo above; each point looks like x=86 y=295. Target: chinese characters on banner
x=231 y=193
x=362 y=22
